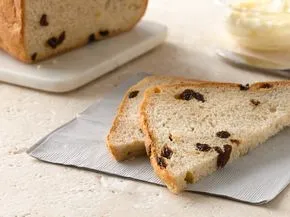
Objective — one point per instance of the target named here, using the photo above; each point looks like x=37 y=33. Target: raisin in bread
x=125 y=139
x=194 y=129
x=34 y=30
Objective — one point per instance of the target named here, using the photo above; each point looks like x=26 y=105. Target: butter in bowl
x=259 y=29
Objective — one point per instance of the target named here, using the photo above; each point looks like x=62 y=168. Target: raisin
x=218 y=150
x=61 y=38
x=266 y=86
x=161 y=162
x=255 y=102
x=92 y=38
x=170 y=137
x=43 y=20
x=33 y=56
x=223 y=134
x=203 y=147
x=189 y=94
x=104 y=33
x=235 y=141
x=54 y=42
x=133 y=94
x=166 y=152
x=244 y=87
x=223 y=156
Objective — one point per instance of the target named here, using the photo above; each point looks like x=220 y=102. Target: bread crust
x=150 y=141
x=12 y=28
x=12 y=34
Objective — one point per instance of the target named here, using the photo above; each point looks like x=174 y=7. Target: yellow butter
x=260 y=25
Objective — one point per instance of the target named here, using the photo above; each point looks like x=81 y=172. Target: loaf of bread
x=194 y=129
x=33 y=30
x=125 y=139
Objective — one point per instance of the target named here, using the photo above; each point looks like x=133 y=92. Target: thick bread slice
x=194 y=129
x=125 y=139
x=32 y=30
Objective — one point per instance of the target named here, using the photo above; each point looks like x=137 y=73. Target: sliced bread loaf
x=33 y=30
x=125 y=139
x=194 y=129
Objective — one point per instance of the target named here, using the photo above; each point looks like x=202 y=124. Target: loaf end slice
x=35 y=30
x=194 y=129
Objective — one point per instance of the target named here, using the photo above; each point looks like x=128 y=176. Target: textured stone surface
x=32 y=188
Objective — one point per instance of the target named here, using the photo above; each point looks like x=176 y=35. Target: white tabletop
x=32 y=188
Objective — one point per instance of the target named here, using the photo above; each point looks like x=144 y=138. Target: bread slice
x=194 y=129
x=126 y=139
x=32 y=30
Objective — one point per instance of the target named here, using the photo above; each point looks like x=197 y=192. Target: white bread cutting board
x=78 y=67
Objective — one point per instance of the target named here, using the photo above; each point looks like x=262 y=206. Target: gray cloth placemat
x=256 y=178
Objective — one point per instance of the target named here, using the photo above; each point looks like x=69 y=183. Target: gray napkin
x=256 y=178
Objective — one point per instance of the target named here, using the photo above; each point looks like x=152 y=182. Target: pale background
x=32 y=188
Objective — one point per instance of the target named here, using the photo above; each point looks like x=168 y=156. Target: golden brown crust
x=12 y=28
x=12 y=35
x=150 y=142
